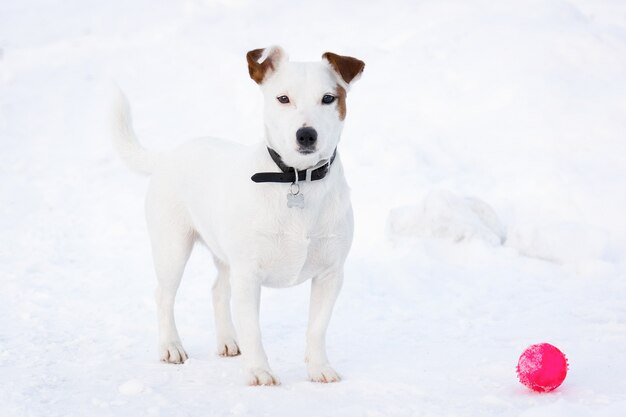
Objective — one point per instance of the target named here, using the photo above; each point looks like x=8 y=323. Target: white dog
x=264 y=224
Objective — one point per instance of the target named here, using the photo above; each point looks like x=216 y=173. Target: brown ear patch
x=341 y=102
x=257 y=69
x=346 y=66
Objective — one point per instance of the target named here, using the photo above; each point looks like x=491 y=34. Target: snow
x=516 y=105
x=564 y=242
x=446 y=215
x=131 y=387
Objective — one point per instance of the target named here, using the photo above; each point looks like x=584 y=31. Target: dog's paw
x=228 y=347
x=322 y=373
x=260 y=376
x=173 y=352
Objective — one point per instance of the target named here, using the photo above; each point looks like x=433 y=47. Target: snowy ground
x=485 y=147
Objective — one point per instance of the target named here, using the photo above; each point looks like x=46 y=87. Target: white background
x=521 y=105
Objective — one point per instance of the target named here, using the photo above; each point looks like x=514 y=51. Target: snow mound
x=131 y=387
x=560 y=242
x=445 y=215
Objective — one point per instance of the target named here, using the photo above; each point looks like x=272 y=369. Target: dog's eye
x=283 y=99
x=327 y=99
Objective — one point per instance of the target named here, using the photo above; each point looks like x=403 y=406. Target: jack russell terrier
x=274 y=215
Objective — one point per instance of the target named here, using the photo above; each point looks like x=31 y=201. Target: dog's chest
x=294 y=253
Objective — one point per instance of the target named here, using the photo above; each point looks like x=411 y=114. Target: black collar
x=288 y=174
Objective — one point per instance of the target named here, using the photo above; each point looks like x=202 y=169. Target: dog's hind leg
x=172 y=239
x=224 y=329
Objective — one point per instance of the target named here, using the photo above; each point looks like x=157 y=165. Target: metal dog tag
x=294 y=198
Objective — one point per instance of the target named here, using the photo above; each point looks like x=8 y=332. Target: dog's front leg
x=246 y=292
x=324 y=291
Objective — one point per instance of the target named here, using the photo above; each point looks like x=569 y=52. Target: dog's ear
x=348 y=68
x=262 y=62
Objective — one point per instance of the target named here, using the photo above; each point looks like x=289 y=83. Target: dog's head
x=305 y=102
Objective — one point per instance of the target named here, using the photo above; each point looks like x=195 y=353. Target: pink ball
x=542 y=367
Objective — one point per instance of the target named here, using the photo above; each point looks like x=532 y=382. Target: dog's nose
x=306 y=137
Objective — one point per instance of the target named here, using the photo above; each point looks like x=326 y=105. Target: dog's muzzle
x=307 y=139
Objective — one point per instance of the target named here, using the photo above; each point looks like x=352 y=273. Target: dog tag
x=295 y=200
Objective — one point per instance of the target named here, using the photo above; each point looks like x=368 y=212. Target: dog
x=275 y=215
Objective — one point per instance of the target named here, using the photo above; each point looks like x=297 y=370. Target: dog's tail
x=124 y=139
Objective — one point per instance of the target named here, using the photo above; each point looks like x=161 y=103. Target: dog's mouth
x=306 y=151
